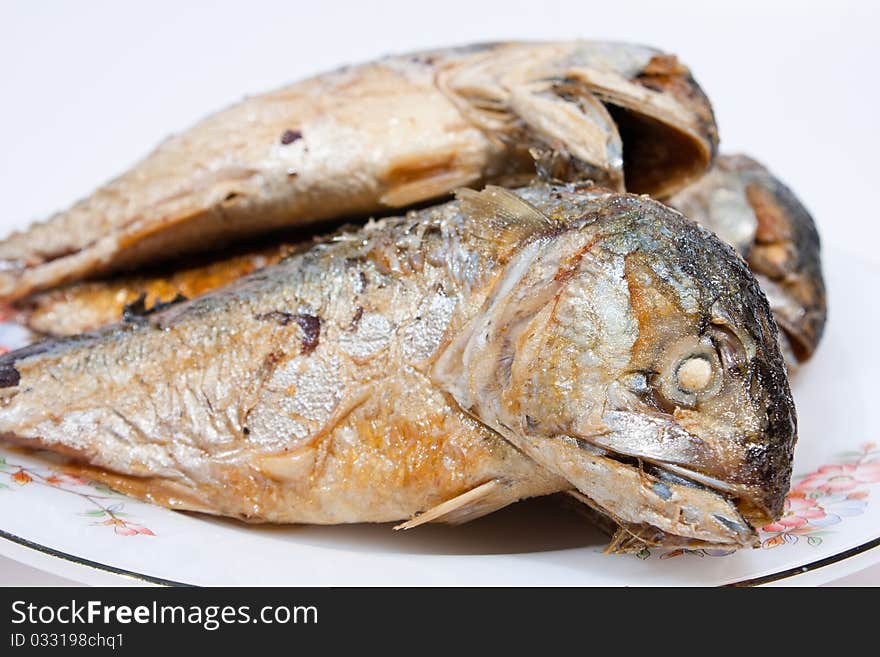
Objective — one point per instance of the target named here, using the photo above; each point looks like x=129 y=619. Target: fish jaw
x=631 y=353
x=670 y=512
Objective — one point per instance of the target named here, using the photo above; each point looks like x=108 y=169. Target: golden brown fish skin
x=86 y=306
x=747 y=206
x=380 y=136
x=407 y=352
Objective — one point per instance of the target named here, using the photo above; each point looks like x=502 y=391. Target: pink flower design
x=132 y=530
x=799 y=511
x=841 y=478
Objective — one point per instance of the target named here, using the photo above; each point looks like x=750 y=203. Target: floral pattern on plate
x=108 y=511
x=820 y=500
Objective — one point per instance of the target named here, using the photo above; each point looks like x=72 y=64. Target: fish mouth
x=650 y=505
x=693 y=492
x=734 y=464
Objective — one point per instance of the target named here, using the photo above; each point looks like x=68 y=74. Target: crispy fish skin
x=748 y=207
x=86 y=306
x=519 y=344
x=380 y=136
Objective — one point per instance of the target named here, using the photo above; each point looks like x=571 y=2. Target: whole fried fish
x=380 y=136
x=748 y=207
x=738 y=200
x=439 y=366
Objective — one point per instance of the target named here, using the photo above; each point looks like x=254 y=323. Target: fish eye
x=689 y=373
x=694 y=374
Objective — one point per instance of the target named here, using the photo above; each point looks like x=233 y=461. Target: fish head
x=634 y=335
x=705 y=393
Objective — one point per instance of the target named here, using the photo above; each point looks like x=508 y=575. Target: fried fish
x=439 y=366
x=383 y=135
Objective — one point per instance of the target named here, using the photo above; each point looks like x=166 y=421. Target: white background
x=89 y=87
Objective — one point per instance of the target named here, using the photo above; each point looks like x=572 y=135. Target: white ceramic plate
x=831 y=528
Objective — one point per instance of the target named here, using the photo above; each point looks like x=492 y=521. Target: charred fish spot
x=246 y=431
x=309 y=324
x=311 y=328
x=290 y=136
x=137 y=309
x=9 y=376
x=278 y=316
x=358 y=314
x=425 y=60
x=161 y=305
x=231 y=196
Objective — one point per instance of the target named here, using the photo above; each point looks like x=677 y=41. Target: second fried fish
x=380 y=136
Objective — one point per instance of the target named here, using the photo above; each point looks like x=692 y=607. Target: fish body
x=751 y=209
x=445 y=363
x=380 y=136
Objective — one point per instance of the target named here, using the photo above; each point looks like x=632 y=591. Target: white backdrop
x=89 y=87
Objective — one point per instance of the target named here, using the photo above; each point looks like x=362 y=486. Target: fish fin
x=501 y=208
x=575 y=136
x=289 y=466
x=417 y=178
x=476 y=502
x=158 y=490
x=417 y=191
